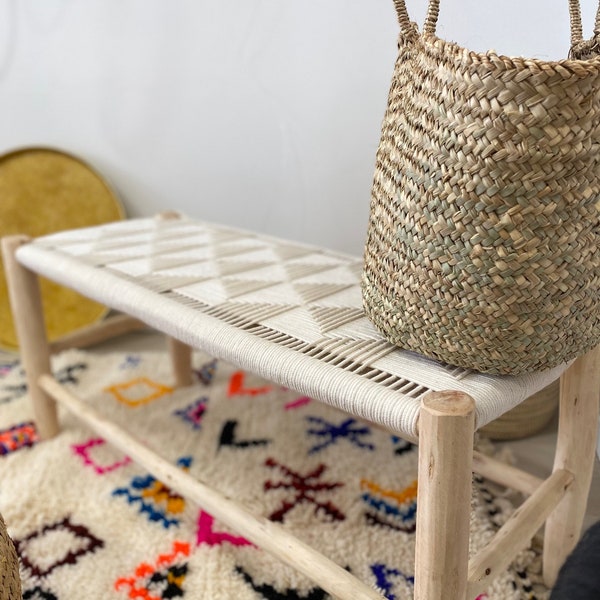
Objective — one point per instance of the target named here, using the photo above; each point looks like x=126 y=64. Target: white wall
x=257 y=113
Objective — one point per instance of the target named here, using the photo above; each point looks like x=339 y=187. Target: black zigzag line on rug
x=13 y=392
x=228 y=437
x=269 y=592
x=172 y=578
x=37 y=593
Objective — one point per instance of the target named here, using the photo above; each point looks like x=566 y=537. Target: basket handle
x=576 y=27
x=403 y=18
x=433 y=11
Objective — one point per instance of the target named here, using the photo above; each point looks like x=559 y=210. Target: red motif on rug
x=158 y=581
x=238 y=388
x=304 y=489
x=19 y=436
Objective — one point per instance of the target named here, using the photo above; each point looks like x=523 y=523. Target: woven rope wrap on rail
x=483 y=244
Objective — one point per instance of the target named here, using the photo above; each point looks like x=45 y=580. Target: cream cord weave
x=288 y=312
x=482 y=244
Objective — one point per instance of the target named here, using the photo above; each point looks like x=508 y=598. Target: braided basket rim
x=571 y=67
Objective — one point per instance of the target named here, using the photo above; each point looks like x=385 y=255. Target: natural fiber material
x=10 y=582
x=90 y=524
x=527 y=418
x=483 y=239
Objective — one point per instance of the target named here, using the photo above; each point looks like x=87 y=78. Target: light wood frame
x=443 y=570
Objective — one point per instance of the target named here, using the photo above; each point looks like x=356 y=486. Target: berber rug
x=88 y=523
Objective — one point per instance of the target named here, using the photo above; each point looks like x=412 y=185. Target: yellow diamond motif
x=138 y=391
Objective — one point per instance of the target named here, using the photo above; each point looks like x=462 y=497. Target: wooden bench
x=292 y=313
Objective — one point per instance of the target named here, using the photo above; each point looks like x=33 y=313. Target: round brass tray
x=43 y=190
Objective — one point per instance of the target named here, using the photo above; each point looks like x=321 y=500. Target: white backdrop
x=257 y=113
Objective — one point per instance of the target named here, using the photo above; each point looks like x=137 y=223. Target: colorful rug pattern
x=90 y=523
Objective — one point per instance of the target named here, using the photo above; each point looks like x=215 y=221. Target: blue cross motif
x=154 y=497
x=383 y=574
x=349 y=429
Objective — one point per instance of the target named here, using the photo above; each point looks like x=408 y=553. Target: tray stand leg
x=446 y=432
x=26 y=305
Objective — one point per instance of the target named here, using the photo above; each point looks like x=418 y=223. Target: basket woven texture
x=10 y=582
x=527 y=418
x=482 y=243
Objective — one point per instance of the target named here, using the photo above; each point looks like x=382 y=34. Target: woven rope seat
x=289 y=312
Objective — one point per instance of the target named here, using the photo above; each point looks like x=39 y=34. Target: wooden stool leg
x=181 y=361
x=575 y=452
x=181 y=354
x=26 y=304
x=446 y=430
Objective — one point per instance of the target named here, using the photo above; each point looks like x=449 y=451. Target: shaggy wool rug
x=88 y=523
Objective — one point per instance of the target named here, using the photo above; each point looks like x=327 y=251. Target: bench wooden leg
x=26 y=304
x=446 y=430
x=575 y=452
x=181 y=361
x=181 y=354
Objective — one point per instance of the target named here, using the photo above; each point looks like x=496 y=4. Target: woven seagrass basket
x=10 y=582
x=527 y=418
x=482 y=244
